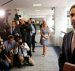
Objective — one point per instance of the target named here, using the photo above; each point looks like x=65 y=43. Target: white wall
x=11 y=17
x=49 y=20
x=60 y=23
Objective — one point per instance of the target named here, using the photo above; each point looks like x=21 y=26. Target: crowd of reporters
x=15 y=45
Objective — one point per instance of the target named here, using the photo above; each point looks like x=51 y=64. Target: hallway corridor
x=42 y=63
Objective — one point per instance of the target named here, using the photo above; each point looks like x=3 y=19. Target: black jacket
x=25 y=32
x=66 y=55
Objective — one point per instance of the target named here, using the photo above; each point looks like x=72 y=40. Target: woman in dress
x=44 y=36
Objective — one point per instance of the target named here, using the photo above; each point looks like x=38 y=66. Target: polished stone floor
x=42 y=63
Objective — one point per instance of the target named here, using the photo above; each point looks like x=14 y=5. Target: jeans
x=4 y=65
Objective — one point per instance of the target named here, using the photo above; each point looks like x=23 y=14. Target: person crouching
x=21 y=55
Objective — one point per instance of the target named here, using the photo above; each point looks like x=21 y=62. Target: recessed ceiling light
x=37 y=10
x=37 y=4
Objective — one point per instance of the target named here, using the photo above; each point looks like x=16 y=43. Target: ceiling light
x=37 y=4
x=2 y=13
x=37 y=10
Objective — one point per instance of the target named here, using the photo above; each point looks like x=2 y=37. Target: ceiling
x=27 y=6
x=29 y=3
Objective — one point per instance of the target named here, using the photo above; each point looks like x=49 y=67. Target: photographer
x=20 y=52
x=4 y=60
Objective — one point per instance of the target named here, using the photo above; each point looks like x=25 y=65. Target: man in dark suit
x=33 y=35
x=68 y=46
x=25 y=30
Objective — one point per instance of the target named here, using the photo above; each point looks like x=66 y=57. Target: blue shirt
x=8 y=45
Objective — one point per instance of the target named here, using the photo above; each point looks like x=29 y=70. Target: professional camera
x=20 y=42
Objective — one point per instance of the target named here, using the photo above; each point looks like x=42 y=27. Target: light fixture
x=2 y=13
x=37 y=10
x=37 y=4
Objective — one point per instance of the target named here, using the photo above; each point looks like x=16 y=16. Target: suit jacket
x=66 y=55
x=25 y=32
x=34 y=27
x=12 y=32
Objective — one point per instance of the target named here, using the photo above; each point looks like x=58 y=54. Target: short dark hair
x=10 y=37
x=15 y=22
x=73 y=6
x=30 y=18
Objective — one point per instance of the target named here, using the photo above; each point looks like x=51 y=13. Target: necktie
x=73 y=42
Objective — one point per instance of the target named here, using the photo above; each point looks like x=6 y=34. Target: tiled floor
x=42 y=63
